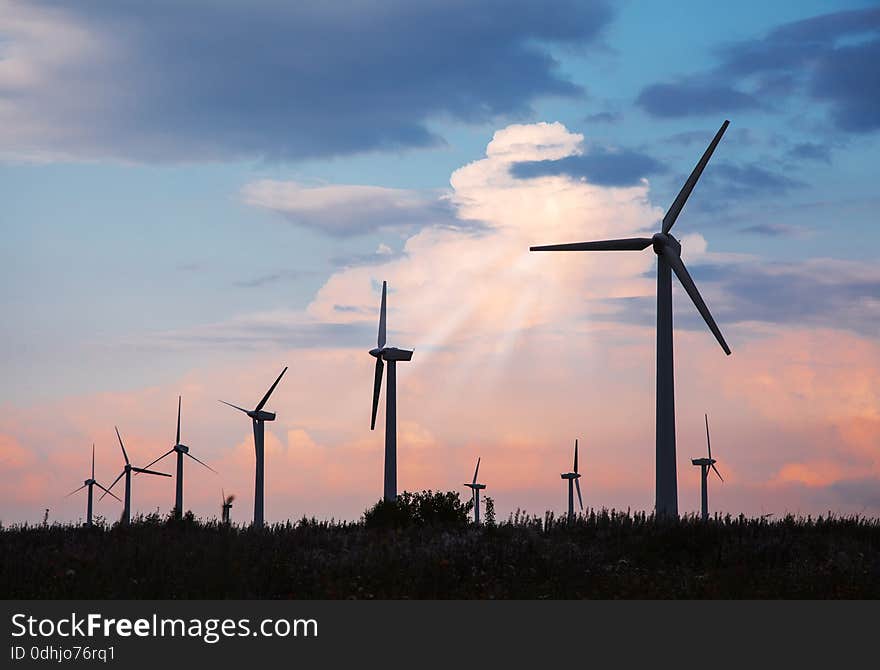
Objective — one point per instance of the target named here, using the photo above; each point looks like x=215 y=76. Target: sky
x=197 y=194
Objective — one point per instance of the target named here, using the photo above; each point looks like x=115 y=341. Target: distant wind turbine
x=573 y=482
x=226 y=504
x=182 y=450
x=705 y=464
x=391 y=354
x=90 y=482
x=668 y=252
x=475 y=493
x=259 y=416
x=126 y=471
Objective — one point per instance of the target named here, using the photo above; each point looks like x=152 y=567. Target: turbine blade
x=377 y=386
x=93 y=460
x=241 y=409
x=150 y=472
x=170 y=451
x=685 y=192
x=178 y=420
x=577 y=485
x=108 y=491
x=121 y=445
x=382 y=316
x=684 y=277
x=198 y=461
x=112 y=485
x=269 y=392
x=476 y=471
x=708 y=443
x=717 y=473
x=575 y=456
x=628 y=244
x=76 y=491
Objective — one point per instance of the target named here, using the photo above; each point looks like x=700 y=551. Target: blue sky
x=140 y=145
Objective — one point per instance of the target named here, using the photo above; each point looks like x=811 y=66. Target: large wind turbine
x=668 y=252
x=258 y=415
x=391 y=354
x=182 y=450
x=90 y=482
x=475 y=493
x=705 y=464
x=573 y=478
x=126 y=471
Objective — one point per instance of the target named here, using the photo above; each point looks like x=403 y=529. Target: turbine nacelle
x=475 y=486
x=261 y=415
x=570 y=475
x=703 y=461
x=662 y=240
x=89 y=481
x=181 y=448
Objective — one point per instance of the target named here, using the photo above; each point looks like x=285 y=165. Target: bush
x=424 y=508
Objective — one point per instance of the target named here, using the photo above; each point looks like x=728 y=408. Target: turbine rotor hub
x=661 y=240
x=376 y=353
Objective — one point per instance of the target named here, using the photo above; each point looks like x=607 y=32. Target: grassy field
x=600 y=555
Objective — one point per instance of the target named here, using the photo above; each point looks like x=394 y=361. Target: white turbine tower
x=573 y=482
x=90 y=482
x=182 y=450
x=705 y=464
x=259 y=416
x=391 y=354
x=126 y=471
x=475 y=493
x=668 y=252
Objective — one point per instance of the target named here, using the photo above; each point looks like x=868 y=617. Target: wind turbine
x=182 y=450
x=90 y=482
x=668 y=252
x=258 y=415
x=226 y=504
x=391 y=354
x=126 y=471
x=572 y=478
x=705 y=464
x=475 y=493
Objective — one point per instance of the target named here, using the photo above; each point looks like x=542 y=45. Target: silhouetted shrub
x=424 y=508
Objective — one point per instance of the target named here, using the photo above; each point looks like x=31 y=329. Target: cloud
x=693 y=98
x=271 y=278
x=347 y=210
x=170 y=81
x=821 y=292
x=750 y=179
x=603 y=166
x=777 y=230
x=603 y=117
x=811 y=151
x=829 y=59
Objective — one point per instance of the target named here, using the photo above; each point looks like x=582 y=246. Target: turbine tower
x=668 y=252
x=90 y=482
x=126 y=471
x=391 y=354
x=573 y=482
x=475 y=493
x=258 y=415
x=705 y=464
x=182 y=450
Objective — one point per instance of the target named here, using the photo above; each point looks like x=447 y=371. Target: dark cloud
x=831 y=58
x=776 y=230
x=692 y=98
x=825 y=293
x=604 y=117
x=864 y=492
x=732 y=180
x=601 y=166
x=271 y=278
x=811 y=151
x=358 y=260
x=171 y=81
